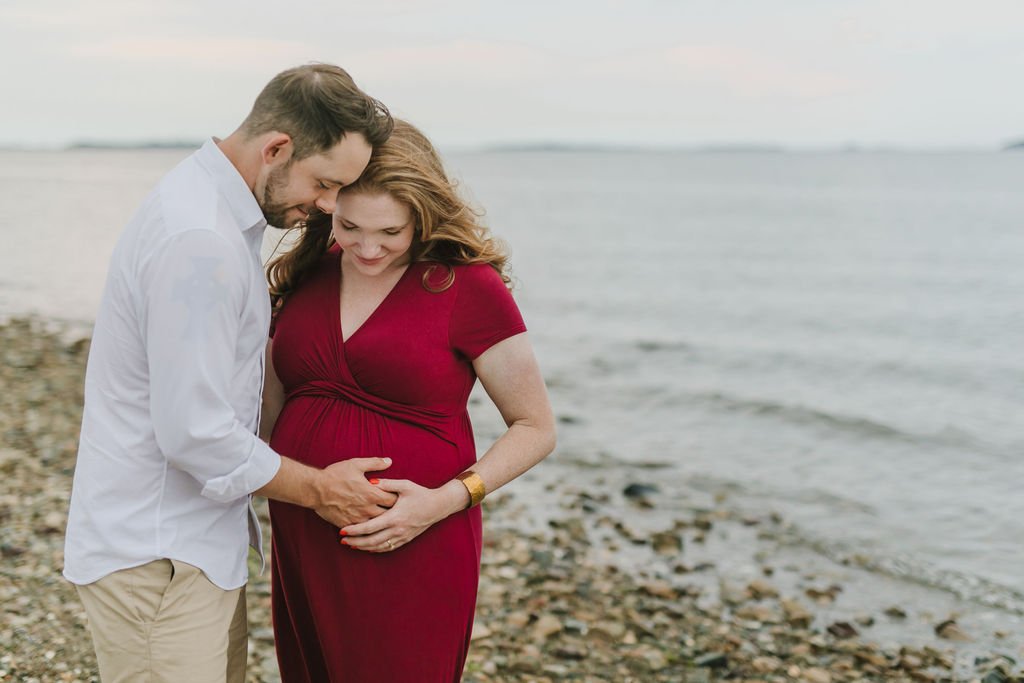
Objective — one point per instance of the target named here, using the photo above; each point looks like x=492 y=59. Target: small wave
x=805 y=416
x=652 y=345
x=856 y=426
x=965 y=586
x=765 y=491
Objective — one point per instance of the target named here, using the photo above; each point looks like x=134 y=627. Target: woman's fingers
x=375 y=535
x=398 y=486
x=370 y=526
x=380 y=542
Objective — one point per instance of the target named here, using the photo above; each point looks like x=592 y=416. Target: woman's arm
x=509 y=373
x=273 y=395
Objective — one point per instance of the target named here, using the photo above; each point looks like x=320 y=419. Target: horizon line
x=550 y=146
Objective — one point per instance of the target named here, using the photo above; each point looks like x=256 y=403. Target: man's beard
x=273 y=210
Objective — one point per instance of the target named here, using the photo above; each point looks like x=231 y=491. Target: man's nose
x=327 y=199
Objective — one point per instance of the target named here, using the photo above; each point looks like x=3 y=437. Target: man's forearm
x=295 y=483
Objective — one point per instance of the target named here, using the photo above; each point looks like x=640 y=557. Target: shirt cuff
x=259 y=468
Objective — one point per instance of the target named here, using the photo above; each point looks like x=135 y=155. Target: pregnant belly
x=319 y=431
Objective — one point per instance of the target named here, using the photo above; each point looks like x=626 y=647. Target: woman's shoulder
x=477 y=269
x=481 y=275
x=443 y=277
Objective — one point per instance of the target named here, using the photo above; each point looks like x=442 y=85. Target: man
x=157 y=530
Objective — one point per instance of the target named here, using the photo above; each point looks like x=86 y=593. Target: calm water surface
x=834 y=336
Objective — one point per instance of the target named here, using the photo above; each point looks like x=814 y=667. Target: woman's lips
x=370 y=262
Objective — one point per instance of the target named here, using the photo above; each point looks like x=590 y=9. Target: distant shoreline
x=555 y=148
x=126 y=146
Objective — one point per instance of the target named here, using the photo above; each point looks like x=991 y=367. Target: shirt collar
x=240 y=199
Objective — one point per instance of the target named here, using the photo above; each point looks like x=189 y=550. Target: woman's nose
x=369 y=248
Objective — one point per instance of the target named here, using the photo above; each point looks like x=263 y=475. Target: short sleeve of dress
x=485 y=312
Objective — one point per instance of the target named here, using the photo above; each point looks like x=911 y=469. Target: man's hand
x=345 y=496
x=340 y=493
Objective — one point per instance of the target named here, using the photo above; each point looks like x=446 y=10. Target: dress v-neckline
x=339 y=322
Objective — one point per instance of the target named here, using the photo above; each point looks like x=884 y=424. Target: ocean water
x=837 y=336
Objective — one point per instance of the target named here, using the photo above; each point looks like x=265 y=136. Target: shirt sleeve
x=485 y=312
x=194 y=292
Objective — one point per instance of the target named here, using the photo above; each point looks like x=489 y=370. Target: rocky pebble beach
x=585 y=577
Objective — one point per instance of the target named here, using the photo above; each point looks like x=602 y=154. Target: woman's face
x=374 y=231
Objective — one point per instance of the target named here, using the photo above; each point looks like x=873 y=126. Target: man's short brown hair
x=317 y=104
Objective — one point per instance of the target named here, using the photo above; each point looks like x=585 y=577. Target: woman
x=388 y=311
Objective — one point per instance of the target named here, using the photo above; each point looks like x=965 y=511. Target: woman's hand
x=416 y=509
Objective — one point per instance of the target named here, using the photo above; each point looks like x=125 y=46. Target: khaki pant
x=164 y=622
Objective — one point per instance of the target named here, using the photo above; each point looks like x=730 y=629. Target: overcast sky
x=912 y=73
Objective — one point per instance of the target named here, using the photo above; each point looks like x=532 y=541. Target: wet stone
x=667 y=543
x=576 y=627
x=712 y=660
x=660 y=589
x=864 y=620
x=995 y=676
x=762 y=589
x=546 y=626
x=703 y=523
x=842 y=629
x=816 y=675
x=823 y=596
x=637 y=491
x=796 y=614
x=950 y=630
x=895 y=613
x=570 y=651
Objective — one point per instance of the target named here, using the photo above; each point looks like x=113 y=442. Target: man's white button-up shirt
x=169 y=452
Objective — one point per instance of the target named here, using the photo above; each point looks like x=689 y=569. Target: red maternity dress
x=397 y=388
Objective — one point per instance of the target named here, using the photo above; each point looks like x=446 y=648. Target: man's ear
x=277 y=149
